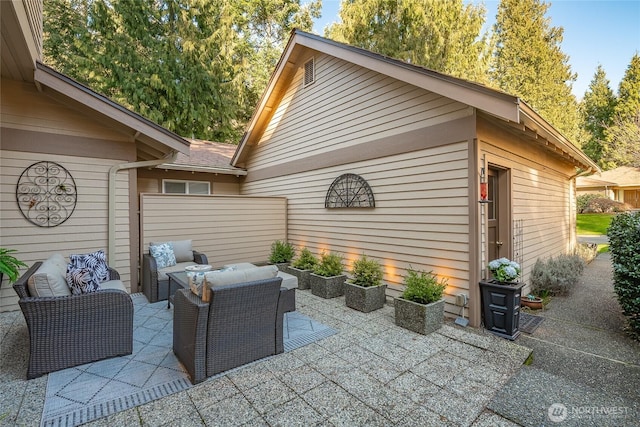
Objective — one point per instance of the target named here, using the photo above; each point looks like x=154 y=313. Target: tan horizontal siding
x=420 y=219
x=541 y=194
x=346 y=105
x=84 y=231
x=227 y=229
x=23 y=107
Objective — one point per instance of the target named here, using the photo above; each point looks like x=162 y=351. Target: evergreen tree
x=622 y=137
x=529 y=63
x=196 y=67
x=441 y=35
x=596 y=109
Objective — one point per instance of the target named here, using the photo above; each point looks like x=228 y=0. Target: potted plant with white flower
x=501 y=298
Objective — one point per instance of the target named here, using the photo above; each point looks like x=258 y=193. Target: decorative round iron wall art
x=46 y=194
x=349 y=191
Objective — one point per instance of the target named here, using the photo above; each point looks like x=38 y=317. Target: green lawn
x=593 y=223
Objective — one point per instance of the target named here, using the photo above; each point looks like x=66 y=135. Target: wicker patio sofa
x=155 y=282
x=242 y=323
x=72 y=330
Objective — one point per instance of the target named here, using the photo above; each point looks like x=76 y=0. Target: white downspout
x=111 y=253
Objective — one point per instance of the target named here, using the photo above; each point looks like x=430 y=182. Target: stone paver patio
x=370 y=373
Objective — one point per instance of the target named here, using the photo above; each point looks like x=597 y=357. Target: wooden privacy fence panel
x=227 y=229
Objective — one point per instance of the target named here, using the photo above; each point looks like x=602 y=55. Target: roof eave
x=139 y=125
x=532 y=120
x=192 y=168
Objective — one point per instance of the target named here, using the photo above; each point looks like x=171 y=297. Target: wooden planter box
x=501 y=308
x=365 y=299
x=302 y=275
x=327 y=287
x=419 y=318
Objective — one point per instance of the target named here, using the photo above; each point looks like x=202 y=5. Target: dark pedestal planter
x=327 y=287
x=302 y=275
x=420 y=318
x=501 y=308
x=364 y=299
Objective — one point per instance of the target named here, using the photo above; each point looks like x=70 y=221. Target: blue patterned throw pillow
x=163 y=253
x=96 y=261
x=82 y=280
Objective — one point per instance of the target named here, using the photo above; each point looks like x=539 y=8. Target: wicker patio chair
x=154 y=287
x=242 y=323
x=73 y=330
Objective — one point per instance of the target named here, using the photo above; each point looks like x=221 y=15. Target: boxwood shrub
x=624 y=244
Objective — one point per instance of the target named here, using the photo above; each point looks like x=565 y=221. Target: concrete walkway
x=375 y=373
x=600 y=239
x=372 y=373
x=583 y=363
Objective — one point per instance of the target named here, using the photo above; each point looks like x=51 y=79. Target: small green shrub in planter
x=365 y=291
x=330 y=265
x=327 y=279
x=305 y=261
x=366 y=272
x=624 y=244
x=421 y=307
x=423 y=287
x=556 y=275
x=281 y=252
x=302 y=266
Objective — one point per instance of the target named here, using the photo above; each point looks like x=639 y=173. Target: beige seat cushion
x=113 y=284
x=162 y=273
x=49 y=280
x=289 y=281
x=222 y=278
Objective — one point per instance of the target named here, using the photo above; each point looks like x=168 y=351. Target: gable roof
x=623 y=176
x=513 y=113
x=21 y=30
x=152 y=140
x=206 y=156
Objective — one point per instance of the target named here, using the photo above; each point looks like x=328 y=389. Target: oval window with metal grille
x=349 y=191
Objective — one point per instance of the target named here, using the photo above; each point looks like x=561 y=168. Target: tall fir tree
x=596 y=109
x=622 y=137
x=440 y=35
x=196 y=67
x=528 y=62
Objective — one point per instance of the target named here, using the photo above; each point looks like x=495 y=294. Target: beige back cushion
x=182 y=250
x=49 y=280
x=261 y=273
x=222 y=278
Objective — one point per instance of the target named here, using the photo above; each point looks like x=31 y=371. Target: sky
x=596 y=32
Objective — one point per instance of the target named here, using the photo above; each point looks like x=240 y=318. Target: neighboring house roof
x=624 y=176
x=206 y=156
x=152 y=140
x=516 y=114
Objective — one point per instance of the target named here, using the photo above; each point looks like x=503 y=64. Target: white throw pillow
x=163 y=254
